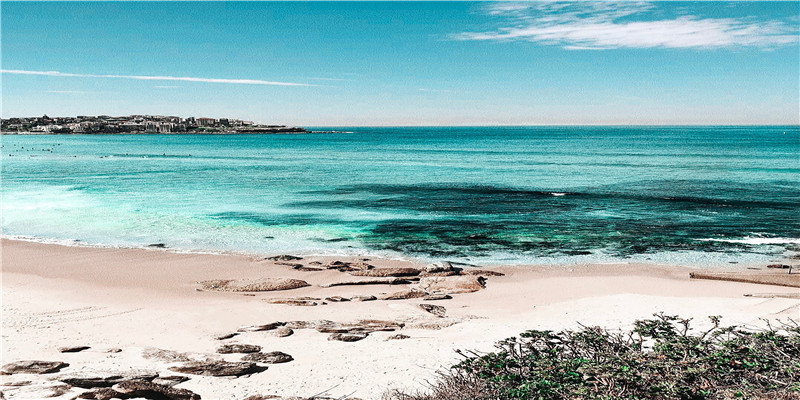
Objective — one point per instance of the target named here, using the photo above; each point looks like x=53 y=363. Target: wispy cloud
x=154 y=78
x=605 y=25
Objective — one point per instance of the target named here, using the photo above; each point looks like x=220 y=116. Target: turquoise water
x=703 y=195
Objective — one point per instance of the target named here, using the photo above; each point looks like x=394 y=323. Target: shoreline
x=647 y=259
x=136 y=299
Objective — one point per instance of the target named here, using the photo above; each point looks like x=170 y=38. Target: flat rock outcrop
x=284 y=257
x=361 y=326
x=171 y=380
x=387 y=272
x=72 y=349
x=224 y=336
x=258 y=328
x=441 y=269
x=481 y=272
x=154 y=391
x=438 y=311
x=452 y=284
x=347 y=337
x=296 y=301
x=217 y=368
x=101 y=394
x=253 y=285
x=282 y=331
x=368 y=281
x=344 y=266
x=274 y=357
x=238 y=348
x=32 y=367
x=437 y=296
x=308 y=324
x=152 y=353
x=95 y=379
x=403 y=295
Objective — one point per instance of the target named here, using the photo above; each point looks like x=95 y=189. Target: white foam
x=755 y=240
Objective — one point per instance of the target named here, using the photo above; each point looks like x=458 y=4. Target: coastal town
x=137 y=124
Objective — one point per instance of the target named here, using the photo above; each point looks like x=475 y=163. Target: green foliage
x=658 y=359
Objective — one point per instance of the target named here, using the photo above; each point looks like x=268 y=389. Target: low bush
x=660 y=358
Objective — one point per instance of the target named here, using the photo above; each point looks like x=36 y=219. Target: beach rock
x=308 y=324
x=443 y=268
x=283 y=331
x=253 y=285
x=32 y=367
x=290 y=264
x=368 y=281
x=398 y=336
x=308 y=269
x=238 y=348
x=452 y=284
x=93 y=379
x=779 y=266
x=258 y=328
x=224 y=336
x=275 y=357
x=343 y=266
x=387 y=272
x=157 y=245
x=437 y=296
x=482 y=272
x=152 y=353
x=73 y=349
x=154 y=391
x=101 y=394
x=39 y=390
x=284 y=257
x=171 y=380
x=364 y=298
x=362 y=326
x=403 y=295
x=438 y=311
x=347 y=337
x=296 y=301
x=457 y=264
x=217 y=368
x=337 y=299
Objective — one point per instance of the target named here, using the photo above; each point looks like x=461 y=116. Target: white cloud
x=154 y=78
x=597 y=26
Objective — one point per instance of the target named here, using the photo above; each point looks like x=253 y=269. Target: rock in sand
x=238 y=348
x=274 y=357
x=32 y=367
x=253 y=285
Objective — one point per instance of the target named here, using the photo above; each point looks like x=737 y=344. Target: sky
x=406 y=63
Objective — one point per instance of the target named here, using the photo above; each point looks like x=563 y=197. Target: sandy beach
x=138 y=300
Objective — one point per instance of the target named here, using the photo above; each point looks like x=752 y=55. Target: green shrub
x=661 y=358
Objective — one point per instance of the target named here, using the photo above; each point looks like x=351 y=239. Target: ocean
x=702 y=196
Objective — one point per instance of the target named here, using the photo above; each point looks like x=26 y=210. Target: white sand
x=132 y=299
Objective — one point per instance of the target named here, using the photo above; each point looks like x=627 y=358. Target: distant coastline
x=137 y=124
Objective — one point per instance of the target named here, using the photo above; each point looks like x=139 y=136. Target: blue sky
x=418 y=63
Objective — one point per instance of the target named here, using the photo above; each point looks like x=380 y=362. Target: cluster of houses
x=135 y=124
